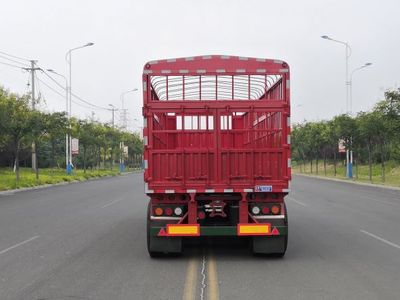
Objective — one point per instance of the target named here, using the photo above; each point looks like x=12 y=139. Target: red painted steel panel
x=229 y=132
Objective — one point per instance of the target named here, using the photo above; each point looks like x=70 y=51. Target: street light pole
x=348 y=54
x=351 y=83
x=349 y=156
x=113 y=110
x=68 y=58
x=66 y=111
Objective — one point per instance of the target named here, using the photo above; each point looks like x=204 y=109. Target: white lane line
x=297 y=201
x=19 y=244
x=111 y=203
x=380 y=239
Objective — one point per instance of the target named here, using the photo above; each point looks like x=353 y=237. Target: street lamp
x=351 y=83
x=66 y=110
x=68 y=58
x=348 y=54
x=349 y=158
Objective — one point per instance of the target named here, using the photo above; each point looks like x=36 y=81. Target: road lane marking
x=296 y=201
x=19 y=244
x=213 y=288
x=203 y=277
x=112 y=202
x=380 y=239
x=189 y=292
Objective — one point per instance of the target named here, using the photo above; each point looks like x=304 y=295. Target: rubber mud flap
x=159 y=246
x=274 y=245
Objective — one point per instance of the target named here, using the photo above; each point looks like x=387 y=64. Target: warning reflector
x=254 y=229
x=162 y=232
x=183 y=229
x=275 y=231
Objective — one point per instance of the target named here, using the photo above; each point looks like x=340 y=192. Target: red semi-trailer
x=216 y=150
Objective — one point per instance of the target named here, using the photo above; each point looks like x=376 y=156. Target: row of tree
x=374 y=136
x=20 y=126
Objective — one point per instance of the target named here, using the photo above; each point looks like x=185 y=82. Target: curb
x=44 y=186
x=350 y=182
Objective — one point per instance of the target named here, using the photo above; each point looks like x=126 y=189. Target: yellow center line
x=213 y=286
x=189 y=292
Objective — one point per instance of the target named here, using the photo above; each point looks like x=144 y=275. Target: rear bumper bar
x=219 y=231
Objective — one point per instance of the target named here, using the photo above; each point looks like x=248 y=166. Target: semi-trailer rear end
x=216 y=150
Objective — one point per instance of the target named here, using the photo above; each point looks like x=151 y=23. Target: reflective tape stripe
x=285 y=190
x=277 y=61
x=228 y=190
x=220 y=70
x=144 y=86
x=165 y=71
x=289 y=163
x=269 y=217
x=145 y=163
x=241 y=71
x=209 y=191
x=201 y=71
x=225 y=57
x=169 y=191
x=248 y=190
x=145 y=140
x=283 y=70
x=190 y=191
x=288 y=121
x=183 y=71
x=206 y=57
x=153 y=62
x=171 y=60
x=243 y=58
x=261 y=59
x=288 y=139
x=147 y=71
x=288 y=84
x=144 y=122
x=164 y=218
x=261 y=71
x=146 y=189
x=189 y=58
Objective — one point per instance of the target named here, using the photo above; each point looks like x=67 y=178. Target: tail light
x=201 y=215
x=265 y=210
x=168 y=211
x=255 y=210
x=275 y=209
x=158 y=211
x=178 y=211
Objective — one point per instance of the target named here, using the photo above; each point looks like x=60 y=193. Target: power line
x=10 y=65
x=63 y=96
x=13 y=60
x=14 y=56
x=76 y=96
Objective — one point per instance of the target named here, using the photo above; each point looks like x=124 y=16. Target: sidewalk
x=349 y=181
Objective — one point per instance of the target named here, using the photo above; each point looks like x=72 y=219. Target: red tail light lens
x=201 y=215
x=168 y=211
x=265 y=210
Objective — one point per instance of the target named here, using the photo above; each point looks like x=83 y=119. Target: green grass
x=47 y=176
x=392 y=173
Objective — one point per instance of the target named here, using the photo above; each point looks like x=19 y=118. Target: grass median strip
x=47 y=176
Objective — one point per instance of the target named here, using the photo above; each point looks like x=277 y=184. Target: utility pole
x=32 y=69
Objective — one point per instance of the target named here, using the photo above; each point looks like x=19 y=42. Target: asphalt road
x=87 y=241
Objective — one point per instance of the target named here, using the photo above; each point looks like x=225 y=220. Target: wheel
x=161 y=246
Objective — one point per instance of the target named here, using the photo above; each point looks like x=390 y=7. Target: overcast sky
x=127 y=33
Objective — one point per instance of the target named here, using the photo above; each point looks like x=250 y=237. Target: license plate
x=264 y=188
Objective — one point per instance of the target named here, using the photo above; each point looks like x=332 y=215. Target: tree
x=15 y=123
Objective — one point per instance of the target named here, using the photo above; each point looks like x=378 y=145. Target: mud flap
x=275 y=245
x=158 y=246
